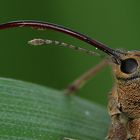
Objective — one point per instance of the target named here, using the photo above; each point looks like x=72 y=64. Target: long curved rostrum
x=47 y=25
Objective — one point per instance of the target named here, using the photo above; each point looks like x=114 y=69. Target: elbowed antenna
x=46 y=25
x=39 y=42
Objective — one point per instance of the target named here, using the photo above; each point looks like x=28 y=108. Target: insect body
x=124 y=100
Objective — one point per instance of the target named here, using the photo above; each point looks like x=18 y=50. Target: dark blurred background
x=116 y=23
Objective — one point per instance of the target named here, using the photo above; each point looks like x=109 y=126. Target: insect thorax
x=129 y=97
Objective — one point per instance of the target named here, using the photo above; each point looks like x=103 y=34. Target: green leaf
x=33 y=112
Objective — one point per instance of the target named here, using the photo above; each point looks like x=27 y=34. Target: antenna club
x=55 y=27
x=39 y=42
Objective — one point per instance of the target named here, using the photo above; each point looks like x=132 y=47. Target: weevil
x=124 y=100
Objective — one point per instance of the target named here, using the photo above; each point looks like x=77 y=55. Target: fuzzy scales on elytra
x=124 y=101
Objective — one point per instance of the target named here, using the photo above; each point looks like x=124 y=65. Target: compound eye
x=129 y=65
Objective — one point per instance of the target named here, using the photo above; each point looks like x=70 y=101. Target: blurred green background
x=116 y=23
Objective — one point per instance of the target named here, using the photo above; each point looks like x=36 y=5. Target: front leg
x=82 y=80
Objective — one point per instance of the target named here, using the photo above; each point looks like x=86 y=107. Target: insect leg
x=87 y=75
x=82 y=80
